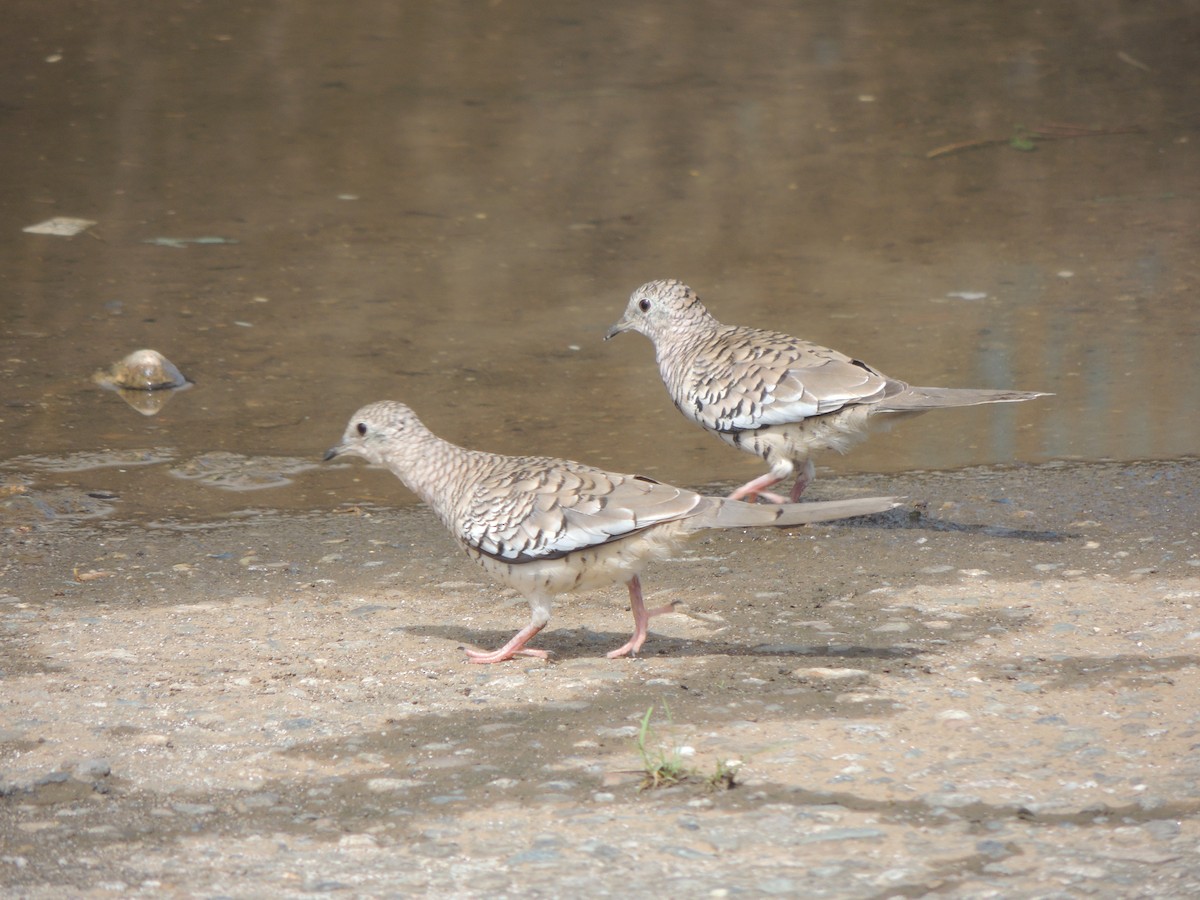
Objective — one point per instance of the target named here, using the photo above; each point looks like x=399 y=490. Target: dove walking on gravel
x=548 y=526
x=771 y=394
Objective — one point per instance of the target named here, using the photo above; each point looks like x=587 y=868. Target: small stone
x=950 y=800
x=1163 y=829
x=194 y=809
x=385 y=785
x=821 y=673
x=778 y=886
x=953 y=715
x=92 y=768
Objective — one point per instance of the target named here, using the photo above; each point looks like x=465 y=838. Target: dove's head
x=660 y=308
x=378 y=431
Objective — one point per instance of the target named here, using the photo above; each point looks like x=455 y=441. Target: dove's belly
x=598 y=567
x=797 y=441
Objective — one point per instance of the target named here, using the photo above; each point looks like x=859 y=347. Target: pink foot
x=515 y=647
x=752 y=490
x=641 y=618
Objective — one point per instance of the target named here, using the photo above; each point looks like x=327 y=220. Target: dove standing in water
x=770 y=394
x=549 y=526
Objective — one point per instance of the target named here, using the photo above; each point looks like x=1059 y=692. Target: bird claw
x=482 y=658
x=628 y=650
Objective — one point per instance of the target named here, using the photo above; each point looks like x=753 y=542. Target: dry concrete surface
x=989 y=692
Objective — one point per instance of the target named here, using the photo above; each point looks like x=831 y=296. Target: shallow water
x=449 y=203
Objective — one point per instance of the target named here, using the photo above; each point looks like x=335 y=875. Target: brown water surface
x=448 y=204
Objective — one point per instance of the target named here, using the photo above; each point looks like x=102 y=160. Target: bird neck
x=427 y=464
x=676 y=347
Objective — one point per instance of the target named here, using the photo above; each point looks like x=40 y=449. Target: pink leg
x=515 y=647
x=803 y=479
x=752 y=490
x=641 y=618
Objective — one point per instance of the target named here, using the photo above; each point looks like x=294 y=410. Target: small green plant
x=662 y=768
x=724 y=776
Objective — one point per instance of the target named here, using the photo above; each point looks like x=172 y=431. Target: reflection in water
x=448 y=203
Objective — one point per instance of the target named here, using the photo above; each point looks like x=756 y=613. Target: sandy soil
x=991 y=691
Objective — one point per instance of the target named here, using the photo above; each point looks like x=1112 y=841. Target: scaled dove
x=770 y=394
x=548 y=526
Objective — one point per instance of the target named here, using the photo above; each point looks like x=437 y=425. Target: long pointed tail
x=915 y=399
x=736 y=514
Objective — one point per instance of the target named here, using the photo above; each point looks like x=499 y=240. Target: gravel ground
x=988 y=692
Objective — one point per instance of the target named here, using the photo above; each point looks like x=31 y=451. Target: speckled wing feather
x=743 y=378
x=541 y=509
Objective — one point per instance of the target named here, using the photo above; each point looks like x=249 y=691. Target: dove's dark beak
x=621 y=326
x=332 y=452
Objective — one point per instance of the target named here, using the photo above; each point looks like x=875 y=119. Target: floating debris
x=61 y=226
x=967 y=295
x=181 y=243
x=145 y=379
x=1132 y=61
x=1026 y=139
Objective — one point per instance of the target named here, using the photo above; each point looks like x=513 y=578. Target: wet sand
x=988 y=692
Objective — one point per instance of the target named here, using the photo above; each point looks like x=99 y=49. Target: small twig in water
x=1023 y=139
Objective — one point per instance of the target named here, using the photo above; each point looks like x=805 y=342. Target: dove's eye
x=361 y=428
x=644 y=305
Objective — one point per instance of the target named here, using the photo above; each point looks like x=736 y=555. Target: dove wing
x=540 y=509
x=758 y=378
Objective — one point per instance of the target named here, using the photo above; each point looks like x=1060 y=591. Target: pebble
x=385 y=785
x=950 y=800
x=91 y=768
x=194 y=809
x=778 y=886
x=821 y=673
x=260 y=801
x=953 y=715
x=534 y=856
x=841 y=834
x=1164 y=829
